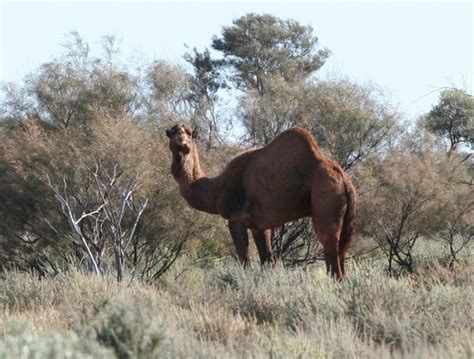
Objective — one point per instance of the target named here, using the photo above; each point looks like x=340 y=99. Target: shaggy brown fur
x=262 y=189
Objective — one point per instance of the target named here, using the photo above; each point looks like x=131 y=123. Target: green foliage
x=261 y=46
x=452 y=118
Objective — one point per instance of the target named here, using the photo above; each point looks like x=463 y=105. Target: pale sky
x=408 y=49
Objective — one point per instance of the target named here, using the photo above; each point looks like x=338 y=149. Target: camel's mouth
x=184 y=149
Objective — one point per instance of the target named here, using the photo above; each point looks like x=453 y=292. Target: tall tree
x=204 y=84
x=452 y=118
x=258 y=46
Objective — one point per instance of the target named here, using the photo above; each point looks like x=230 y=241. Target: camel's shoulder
x=231 y=192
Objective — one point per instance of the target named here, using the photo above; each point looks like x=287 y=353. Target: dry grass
x=226 y=311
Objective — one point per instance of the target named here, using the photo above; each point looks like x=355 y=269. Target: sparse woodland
x=101 y=257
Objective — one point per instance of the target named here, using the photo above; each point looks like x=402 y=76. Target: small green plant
x=129 y=330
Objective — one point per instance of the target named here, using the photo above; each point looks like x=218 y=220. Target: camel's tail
x=347 y=225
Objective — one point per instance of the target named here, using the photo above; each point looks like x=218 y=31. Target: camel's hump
x=298 y=134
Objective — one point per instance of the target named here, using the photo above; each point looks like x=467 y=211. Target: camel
x=264 y=188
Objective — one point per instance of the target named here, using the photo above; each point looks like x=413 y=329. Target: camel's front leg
x=263 y=241
x=239 y=234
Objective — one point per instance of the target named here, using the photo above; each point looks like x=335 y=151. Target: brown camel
x=264 y=188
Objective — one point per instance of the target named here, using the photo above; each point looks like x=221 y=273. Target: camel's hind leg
x=263 y=241
x=342 y=256
x=328 y=215
x=329 y=238
x=239 y=234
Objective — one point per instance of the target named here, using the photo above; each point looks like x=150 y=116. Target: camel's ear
x=194 y=134
x=168 y=133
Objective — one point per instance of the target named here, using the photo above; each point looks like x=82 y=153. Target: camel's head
x=181 y=138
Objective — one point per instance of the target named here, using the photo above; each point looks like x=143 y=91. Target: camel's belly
x=254 y=216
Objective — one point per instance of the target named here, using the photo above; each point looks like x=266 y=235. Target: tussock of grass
x=226 y=311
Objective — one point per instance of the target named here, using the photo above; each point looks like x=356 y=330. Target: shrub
x=409 y=193
x=51 y=345
x=129 y=330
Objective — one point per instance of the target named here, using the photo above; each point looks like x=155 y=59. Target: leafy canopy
x=257 y=46
x=452 y=118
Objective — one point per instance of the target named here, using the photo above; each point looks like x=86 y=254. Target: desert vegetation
x=101 y=256
x=224 y=310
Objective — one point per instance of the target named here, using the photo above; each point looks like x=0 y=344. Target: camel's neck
x=197 y=189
